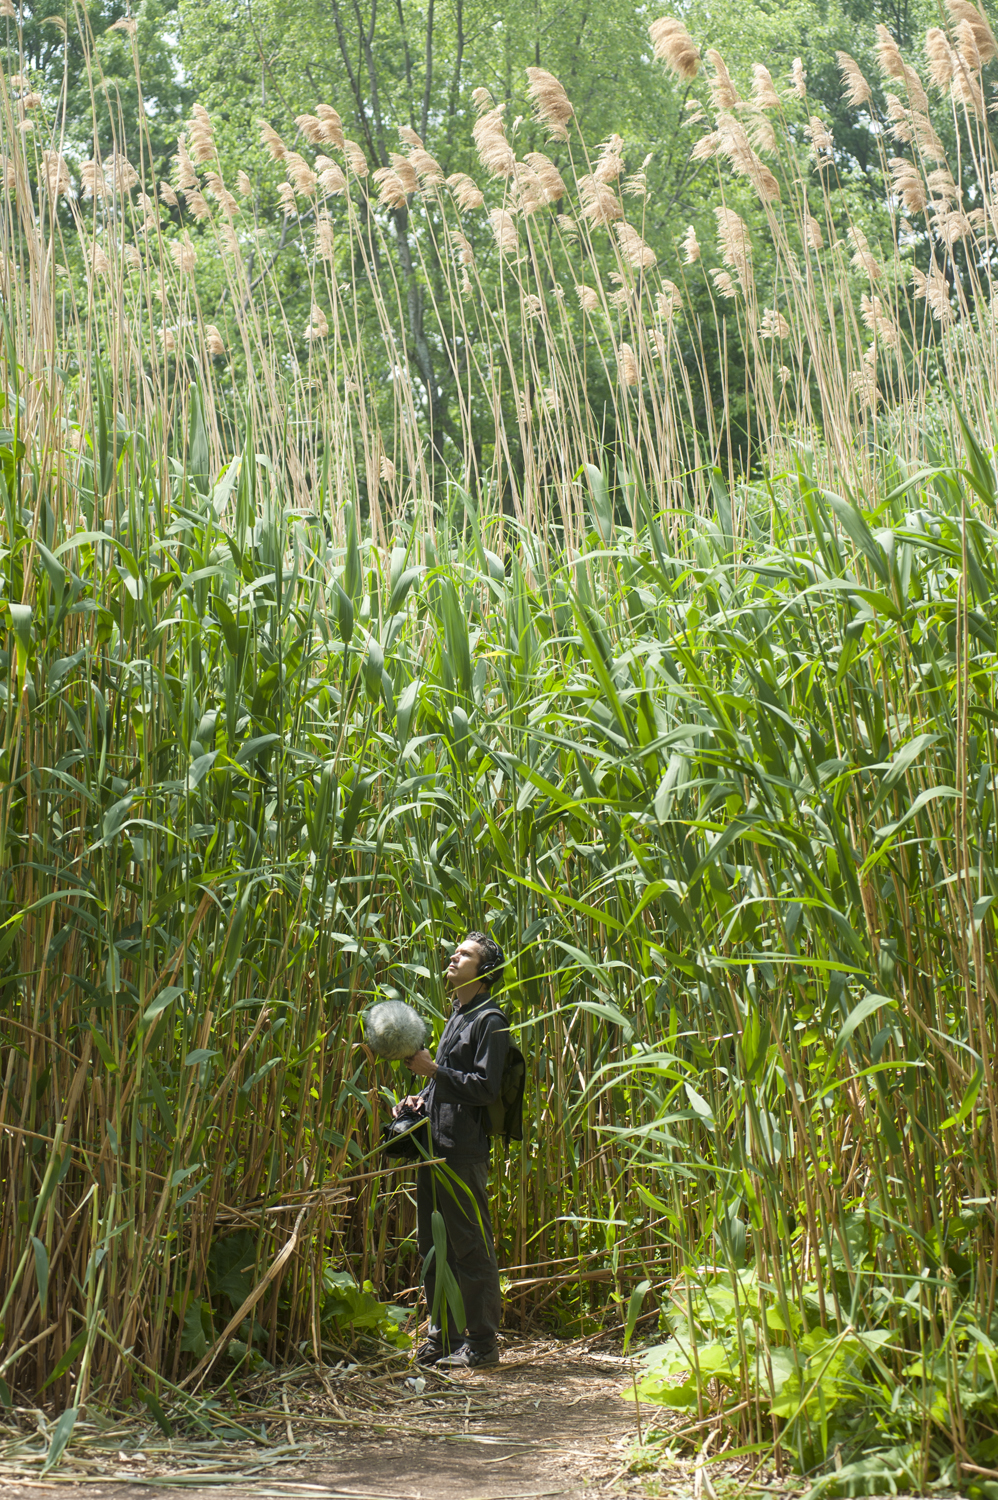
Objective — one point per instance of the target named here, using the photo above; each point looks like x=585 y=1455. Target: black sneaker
x=429 y=1353
x=467 y=1358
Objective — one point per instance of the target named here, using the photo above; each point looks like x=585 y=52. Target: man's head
x=476 y=961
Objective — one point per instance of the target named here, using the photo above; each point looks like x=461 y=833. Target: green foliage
x=352 y=1313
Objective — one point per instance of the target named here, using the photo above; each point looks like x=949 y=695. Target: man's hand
x=422 y=1062
x=414 y=1102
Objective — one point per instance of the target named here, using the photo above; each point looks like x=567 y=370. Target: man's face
x=463 y=966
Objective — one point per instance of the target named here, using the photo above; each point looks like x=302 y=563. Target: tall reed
x=296 y=691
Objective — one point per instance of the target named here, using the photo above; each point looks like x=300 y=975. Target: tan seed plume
x=907 y=183
x=426 y=167
x=798 y=78
x=213 y=340
x=940 y=56
x=627 y=366
x=733 y=241
x=722 y=90
x=355 y=159
x=504 y=230
x=215 y=188
x=467 y=193
x=201 y=134
x=184 y=254
x=633 y=248
x=332 y=180
x=324 y=236
x=723 y=282
x=392 y=191
x=55 y=174
x=494 y=151
x=332 y=125
x=272 y=141
x=673 y=45
x=482 y=100
x=300 y=174
x=856 y=90
x=550 y=179
x=186 y=176
x=813 y=236
x=311 y=128
x=764 y=94
x=588 y=298
x=984 y=38
x=552 y=106
x=168 y=196
x=773 y=325
x=286 y=194
x=599 y=203
x=690 y=246
x=610 y=163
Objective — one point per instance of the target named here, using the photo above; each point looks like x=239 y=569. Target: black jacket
x=470 y=1059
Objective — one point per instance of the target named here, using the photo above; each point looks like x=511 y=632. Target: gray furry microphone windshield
x=394 y=1030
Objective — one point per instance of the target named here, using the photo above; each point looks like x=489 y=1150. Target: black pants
x=461 y=1195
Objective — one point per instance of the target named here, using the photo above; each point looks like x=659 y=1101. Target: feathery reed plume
x=133 y=257
x=286 y=194
x=355 y=159
x=937 y=294
x=690 y=246
x=863 y=258
x=673 y=45
x=723 y=282
x=966 y=40
x=773 y=325
x=762 y=134
x=798 y=78
x=201 y=134
x=610 y=162
x=588 y=298
x=215 y=188
x=55 y=174
x=272 y=141
x=722 y=90
x=568 y=226
x=633 y=248
x=494 y=151
x=963 y=12
x=183 y=253
x=550 y=179
x=426 y=167
x=877 y=318
x=706 y=147
x=527 y=188
x=408 y=137
x=387 y=469
x=392 y=191
x=332 y=179
x=213 y=341
x=735 y=145
x=311 y=128
x=467 y=193
x=504 y=230
x=893 y=65
x=864 y=386
x=818 y=133
x=552 y=106
x=764 y=95
x=627 y=366
x=97 y=260
x=599 y=203
x=332 y=125
x=462 y=245
x=186 y=177
x=168 y=196
x=92 y=179
x=733 y=241
x=324 y=236
x=856 y=89
x=119 y=173
x=906 y=180
x=317 y=326
x=926 y=139
x=966 y=88
x=940 y=56
x=813 y=237
x=197 y=204
x=300 y=174
x=482 y=100
x=532 y=305
x=668 y=301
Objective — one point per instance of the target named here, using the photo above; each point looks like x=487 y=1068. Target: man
x=465 y=1077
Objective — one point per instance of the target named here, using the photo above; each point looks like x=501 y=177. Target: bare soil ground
x=549 y=1421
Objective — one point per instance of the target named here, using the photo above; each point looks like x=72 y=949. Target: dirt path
x=549 y=1421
